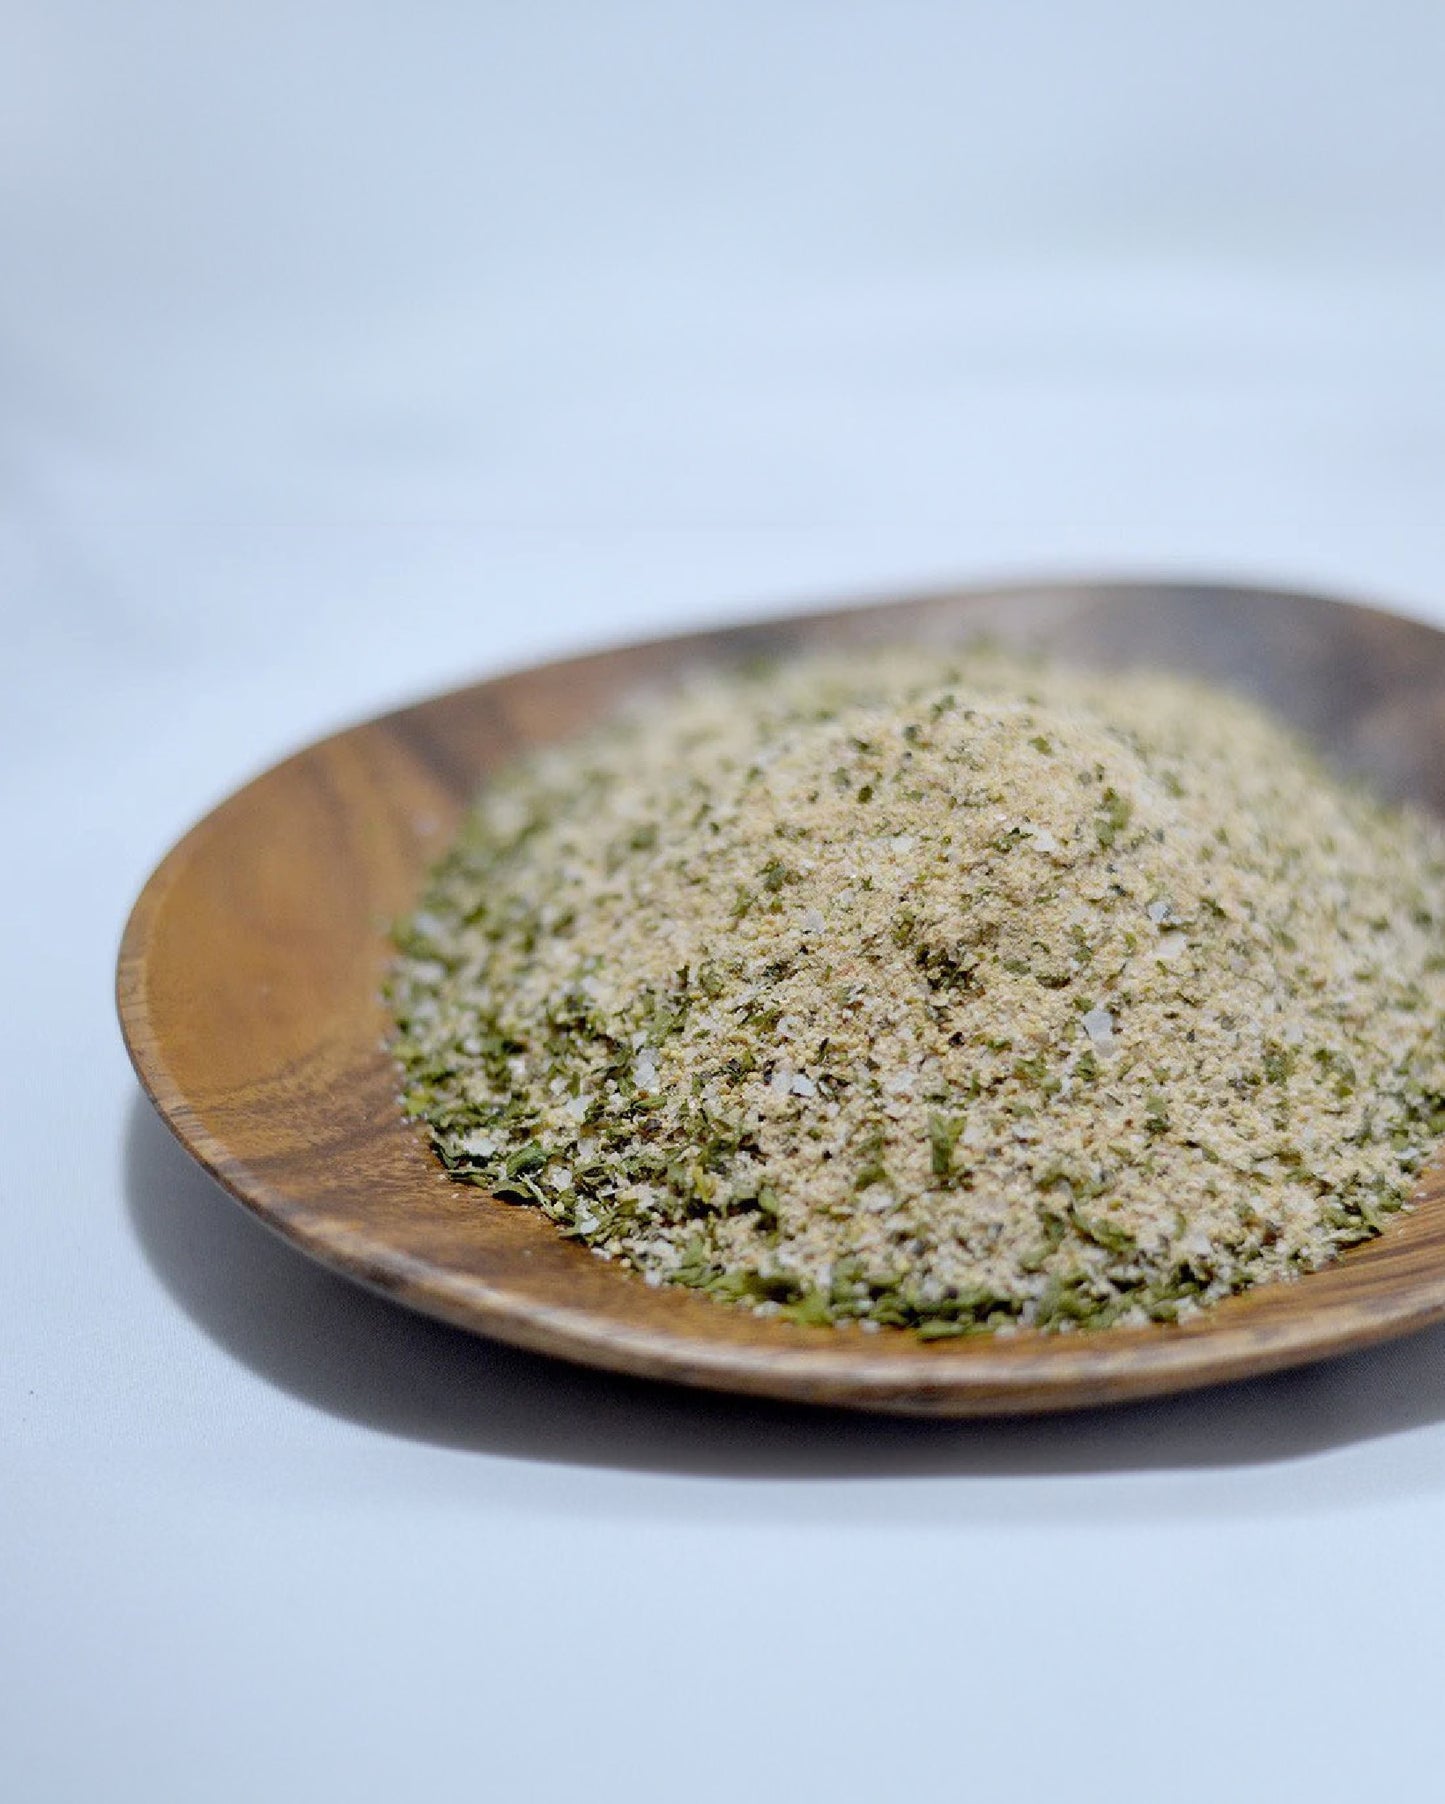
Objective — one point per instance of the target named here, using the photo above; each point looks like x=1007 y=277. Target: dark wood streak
x=453 y=766
x=249 y=978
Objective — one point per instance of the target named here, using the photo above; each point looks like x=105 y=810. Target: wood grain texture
x=249 y=974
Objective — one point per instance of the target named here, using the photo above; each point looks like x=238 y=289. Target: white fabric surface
x=346 y=352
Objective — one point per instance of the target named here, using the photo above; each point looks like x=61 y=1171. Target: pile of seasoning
x=943 y=993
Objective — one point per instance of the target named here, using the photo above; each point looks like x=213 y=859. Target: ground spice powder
x=936 y=991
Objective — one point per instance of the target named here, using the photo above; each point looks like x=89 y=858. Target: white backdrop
x=348 y=351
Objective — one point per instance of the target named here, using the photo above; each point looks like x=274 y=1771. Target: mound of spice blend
x=942 y=993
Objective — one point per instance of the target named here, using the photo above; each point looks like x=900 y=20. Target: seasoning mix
x=943 y=992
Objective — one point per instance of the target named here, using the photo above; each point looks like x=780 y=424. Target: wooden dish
x=250 y=968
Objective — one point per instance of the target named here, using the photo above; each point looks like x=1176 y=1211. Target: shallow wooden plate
x=250 y=969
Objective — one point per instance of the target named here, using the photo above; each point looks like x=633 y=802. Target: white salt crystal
x=781 y=1082
x=1098 y=1024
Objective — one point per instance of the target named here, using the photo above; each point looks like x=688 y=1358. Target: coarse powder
x=937 y=991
